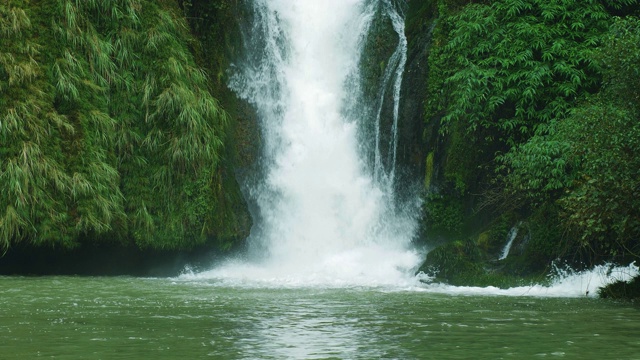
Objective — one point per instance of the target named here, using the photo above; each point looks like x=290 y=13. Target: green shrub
x=444 y=215
x=587 y=162
x=514 y=66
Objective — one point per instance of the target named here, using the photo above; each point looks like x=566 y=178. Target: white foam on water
x=346 y=271
x=370 y=266
x=565 y=283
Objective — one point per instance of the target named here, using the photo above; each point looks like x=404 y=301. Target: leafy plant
x=516 y=65
x=31 y=170
x=587 y=162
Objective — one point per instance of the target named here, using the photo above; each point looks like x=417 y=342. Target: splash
x=564 y=283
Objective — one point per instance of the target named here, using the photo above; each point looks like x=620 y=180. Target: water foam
x=370 y=266
x=565 y=283
x=341 y=270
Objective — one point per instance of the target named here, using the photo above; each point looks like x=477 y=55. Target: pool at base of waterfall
x=132 y=318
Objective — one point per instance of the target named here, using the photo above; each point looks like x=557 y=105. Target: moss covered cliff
x=112 y=132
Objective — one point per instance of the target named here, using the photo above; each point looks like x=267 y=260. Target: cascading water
x=323 y=215
x=394 y=71
x=513 y=233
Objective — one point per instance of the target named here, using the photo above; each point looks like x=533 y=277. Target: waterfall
x=393 y=71
x=513 y=233
x=321 y=215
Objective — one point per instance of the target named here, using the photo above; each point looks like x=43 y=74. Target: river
x=187 y=318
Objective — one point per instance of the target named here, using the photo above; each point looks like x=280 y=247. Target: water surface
x=130 y=318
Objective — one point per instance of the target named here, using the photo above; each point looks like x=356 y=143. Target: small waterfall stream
x=513 y=233
x=394 y=72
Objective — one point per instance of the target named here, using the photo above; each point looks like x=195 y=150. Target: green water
x=128 y=318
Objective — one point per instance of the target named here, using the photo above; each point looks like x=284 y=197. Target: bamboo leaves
x=104 y=129
x=13 y=22
x=31 y=174
x=546 y=93
x=183 y=123
x=531 y=51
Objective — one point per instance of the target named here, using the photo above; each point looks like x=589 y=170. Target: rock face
x=412 y=144
x=466 y=235
x=415 y=141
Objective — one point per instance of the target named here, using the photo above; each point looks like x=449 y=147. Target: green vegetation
x=457 y=262
x=463 y=263
x=586 y=163
x=444 y=215
x=108 y=128
x=622 y=290
x=519 y=64
x=537 y=107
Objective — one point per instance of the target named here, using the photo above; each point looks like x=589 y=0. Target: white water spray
x=322 y=217
x=565 y=283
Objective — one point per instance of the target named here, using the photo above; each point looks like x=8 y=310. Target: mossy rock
x=493 y=240
x=621 y=290
x=454 y=262
x=443 y=216
x=484 y=241
x=463 y=263
x=546 y=243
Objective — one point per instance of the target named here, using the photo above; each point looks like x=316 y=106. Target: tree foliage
x=545 y=97
x=513 y=66
x=589 y=159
